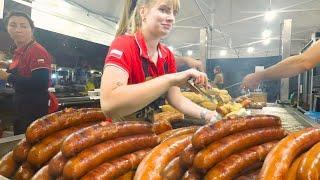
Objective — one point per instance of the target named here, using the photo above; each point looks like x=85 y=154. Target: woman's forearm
x=127 y=99
x=289 y=67
x=183 y=104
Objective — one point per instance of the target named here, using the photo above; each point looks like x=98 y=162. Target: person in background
x=145 y=68
x=90 y=83
x=288 y=67
x=29 y=72
x=218 y=80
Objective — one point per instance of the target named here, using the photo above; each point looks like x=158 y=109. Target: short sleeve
x=171 y=63
x=39 y=59
x=119 y=53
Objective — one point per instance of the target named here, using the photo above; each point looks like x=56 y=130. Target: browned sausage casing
x=177 y=132
x=187 y=156
x=92 y=157
x=250 y=176
x=7 y=165
x=48 y=124
x=128 y=176
x=25 y=172
x=42 y=174
x=154 y=163
x=286 y=151
x=174 y=170
x=309 y=167
x=215 y=131
x=50 y=146
x=56 y=165
x=117 y=167
x=292 y=172
x=21 y=150
x=161 y=126
x=231 y=166
x=191 y=174
x=103 y=131
x=219 y=150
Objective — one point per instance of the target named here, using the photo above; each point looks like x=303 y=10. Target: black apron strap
x=147 y=112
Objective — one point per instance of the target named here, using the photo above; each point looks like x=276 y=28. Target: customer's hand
x=3 y=75
x=251 y=81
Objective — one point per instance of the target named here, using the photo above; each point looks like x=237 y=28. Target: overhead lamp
x=250 y=50
x=117 y=26
x=171 y=48
x=266 y=41
x=266 y=33
x=223 y=52
x=270 y=15
x=189 y=52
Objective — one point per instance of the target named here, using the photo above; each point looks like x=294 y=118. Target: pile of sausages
x=43 y=140
x=295 y=157
x=78 y=144
x=223 y=150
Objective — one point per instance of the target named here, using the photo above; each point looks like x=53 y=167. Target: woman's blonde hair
x=131 y=20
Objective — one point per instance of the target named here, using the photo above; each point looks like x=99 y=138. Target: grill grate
x=290 y=121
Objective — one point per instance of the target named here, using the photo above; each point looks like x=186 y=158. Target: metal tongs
x=195 y=88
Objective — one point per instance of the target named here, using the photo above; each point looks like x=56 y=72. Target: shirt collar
x=163 y=52
x=21 y=50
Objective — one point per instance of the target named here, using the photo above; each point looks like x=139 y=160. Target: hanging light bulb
x=270 y=15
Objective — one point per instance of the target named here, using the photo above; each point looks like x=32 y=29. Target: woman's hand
x=3 y=75
x=212 y=116
x=181 y=78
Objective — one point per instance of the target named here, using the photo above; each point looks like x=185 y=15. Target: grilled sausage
x=21 y=150
x=250 y=176
x=286 y=151
x=252 y=168
x=177 y=132
x=50 y=146
x=231 y=166
x=292 y=172
x=215 y=131
x=219 y=150
x=128 y=176
x=174 y=170
x=309 y=167
x=48 y=124
x=191 y=174
x=154 y=163
x=42 y=174
x=117 y=167
x=7 y=165
x=187 y=156
x=56 y=165
x=103 y=131
x=92 y=157
x=25 y=172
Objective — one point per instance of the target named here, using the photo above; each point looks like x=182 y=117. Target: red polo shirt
x=128 y=53
x=27 y=59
